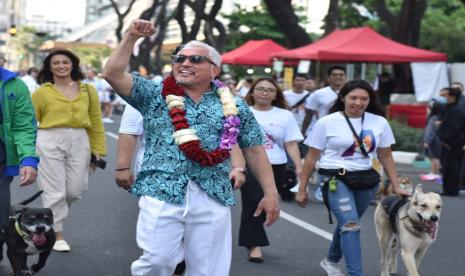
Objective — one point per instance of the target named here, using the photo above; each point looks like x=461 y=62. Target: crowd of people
x=197 y=140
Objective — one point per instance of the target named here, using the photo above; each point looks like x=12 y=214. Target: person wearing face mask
x=431 y=142
x=345 y=142
x=451 y=131
x=70 y=131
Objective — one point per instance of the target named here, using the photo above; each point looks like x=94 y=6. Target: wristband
x=123 y=169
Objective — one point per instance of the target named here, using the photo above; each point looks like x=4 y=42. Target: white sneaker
x=108 y=120
x=319 y=194
x=331 y=268
x=61 y=246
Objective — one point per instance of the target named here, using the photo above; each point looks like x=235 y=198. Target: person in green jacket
x=18 y=130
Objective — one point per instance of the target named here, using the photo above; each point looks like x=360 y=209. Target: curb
x=404 y=157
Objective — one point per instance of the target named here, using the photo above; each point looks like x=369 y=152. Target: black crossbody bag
x=359 y=180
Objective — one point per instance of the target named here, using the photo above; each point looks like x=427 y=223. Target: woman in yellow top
x=70 y=130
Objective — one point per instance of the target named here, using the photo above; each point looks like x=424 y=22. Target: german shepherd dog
x=410 y=225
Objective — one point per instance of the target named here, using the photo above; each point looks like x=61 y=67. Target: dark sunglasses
x=194 y=59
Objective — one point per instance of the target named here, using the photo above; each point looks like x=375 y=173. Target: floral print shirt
x=165 y=170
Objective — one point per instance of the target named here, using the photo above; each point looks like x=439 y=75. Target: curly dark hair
x=278 y=102
x=373 y=106
x=46 y=75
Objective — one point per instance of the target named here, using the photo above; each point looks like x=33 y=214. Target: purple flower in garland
x=230 y=131
x=218 y=83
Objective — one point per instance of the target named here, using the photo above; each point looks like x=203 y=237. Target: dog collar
x=18 y=229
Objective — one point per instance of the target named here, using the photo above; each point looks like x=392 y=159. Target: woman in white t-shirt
x=334 y=144
x=282 y=135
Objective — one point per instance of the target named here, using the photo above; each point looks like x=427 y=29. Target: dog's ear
x=418 y=189
x=15 y=210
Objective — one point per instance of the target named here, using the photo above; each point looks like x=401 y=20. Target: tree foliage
x=92 y=57
x=245 y=25
x=27 y=44
x=443 y=29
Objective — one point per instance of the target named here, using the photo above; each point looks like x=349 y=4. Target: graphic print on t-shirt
x=268 y=141
x=369 y=141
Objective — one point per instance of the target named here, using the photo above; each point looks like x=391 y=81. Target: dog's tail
x=32 y=198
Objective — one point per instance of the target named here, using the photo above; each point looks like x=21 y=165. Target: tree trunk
x=210 y=23
x=144 y=58
x=219 y=41
x=409 y=23
x=332 y=20
x=286 y=19
x=179 y=16
x=121 y=17
x=404 y=28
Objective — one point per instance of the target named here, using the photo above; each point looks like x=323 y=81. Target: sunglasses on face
x=194 y=59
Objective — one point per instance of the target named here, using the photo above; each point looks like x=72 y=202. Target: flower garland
x=185 y=137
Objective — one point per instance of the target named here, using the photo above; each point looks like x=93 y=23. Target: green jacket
x=18 y=129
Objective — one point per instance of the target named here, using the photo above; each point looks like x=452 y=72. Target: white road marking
x=112 y=135
x=305 y=225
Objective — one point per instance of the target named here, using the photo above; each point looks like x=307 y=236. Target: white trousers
x=63 y=169
x=199 y=232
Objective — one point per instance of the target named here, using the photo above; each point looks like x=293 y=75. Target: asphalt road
x=101 y=232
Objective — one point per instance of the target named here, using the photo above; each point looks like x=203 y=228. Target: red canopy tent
x=360 y=45
x=254 y=52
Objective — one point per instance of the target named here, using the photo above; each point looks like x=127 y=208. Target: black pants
x=5 y=198
x=462 y=173
x=251 y=231
x=451 y=162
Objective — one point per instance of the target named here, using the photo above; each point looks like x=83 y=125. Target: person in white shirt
x=310 y=84
x=342 y=154
x=103 y=90
x=296 y=97
x=317 y=106
x=282 y=135
x=245 y=87
x=31 y=79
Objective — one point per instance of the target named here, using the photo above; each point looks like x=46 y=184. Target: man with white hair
x=190 y=128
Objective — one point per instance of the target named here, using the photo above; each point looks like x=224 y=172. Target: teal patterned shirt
x=165 y=170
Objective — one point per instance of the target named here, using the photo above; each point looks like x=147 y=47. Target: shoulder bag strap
x=357 y=136
x=300 y=101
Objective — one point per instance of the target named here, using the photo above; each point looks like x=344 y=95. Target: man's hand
x=124 y=179
x=141 y=28
x=27 y=175
x=270 y=205
x=238 y=177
